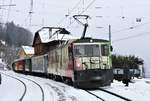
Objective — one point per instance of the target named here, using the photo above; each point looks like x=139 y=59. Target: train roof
x=20 y=59
x=48 y=34
x=90 y=40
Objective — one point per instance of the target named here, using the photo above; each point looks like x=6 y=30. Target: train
x=121 y=74
x=84 y=63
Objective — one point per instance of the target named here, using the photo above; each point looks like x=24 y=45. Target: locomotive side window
x=105 y=50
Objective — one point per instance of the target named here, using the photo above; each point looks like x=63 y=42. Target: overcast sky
x=128 y=36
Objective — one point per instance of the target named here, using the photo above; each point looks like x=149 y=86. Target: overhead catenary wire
x=132 y=27
x=89 y=5
x=9 y=9
x=133 y=36
x=12 y=10
x=1 y=18
x=5 y=5
x=69 y=12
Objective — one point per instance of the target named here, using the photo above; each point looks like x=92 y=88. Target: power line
x=12 y=10
x=9 y=10
x=129 y=28
x=90 y=4
x=2 y=5
x=69 y=12
x=1 y=18
x=133 y=36
x=75 y=6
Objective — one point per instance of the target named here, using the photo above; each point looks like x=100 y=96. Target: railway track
x=25 y=86
x=42 y=91
x=124 y=98
x=108 y=92
x=95 y=95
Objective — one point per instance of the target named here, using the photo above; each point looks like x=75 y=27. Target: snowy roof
x=28 y=49
x=47 y=35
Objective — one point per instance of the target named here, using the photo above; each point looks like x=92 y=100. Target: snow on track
x=138 y=90
x=25 y=87
x=106 y=96
x=63 y=92
x=35 y=83
x=11 y=89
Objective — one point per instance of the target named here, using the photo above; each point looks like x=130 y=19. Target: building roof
x=28 y=49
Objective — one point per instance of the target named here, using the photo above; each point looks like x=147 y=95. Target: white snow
x=3 y=42
x=3 y=65
x=11 y=90
x=139 y=90
x=28 y=49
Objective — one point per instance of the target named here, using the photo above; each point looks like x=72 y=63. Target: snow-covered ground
x=11 y=90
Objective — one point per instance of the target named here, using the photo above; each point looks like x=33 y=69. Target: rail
x=25 y=87
x=124 y=98
x=95 y=95
x=36 y=84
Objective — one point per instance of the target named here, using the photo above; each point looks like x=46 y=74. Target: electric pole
x=31 y=12
x=110 y=34
x=5 y=6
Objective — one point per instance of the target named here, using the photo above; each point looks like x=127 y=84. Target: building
x=25 y=51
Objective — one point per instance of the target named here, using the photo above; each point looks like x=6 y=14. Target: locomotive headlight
x=91 y=40
x=78 y=64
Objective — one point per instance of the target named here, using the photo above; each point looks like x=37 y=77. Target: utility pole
x=110 y=34
x=31 y=11
x=110 y=47
x=5 y=6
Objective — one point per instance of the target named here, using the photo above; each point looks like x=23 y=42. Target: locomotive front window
x=105 y=50
x=87 y=50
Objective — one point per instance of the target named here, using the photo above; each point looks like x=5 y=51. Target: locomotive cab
x=92 y=63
